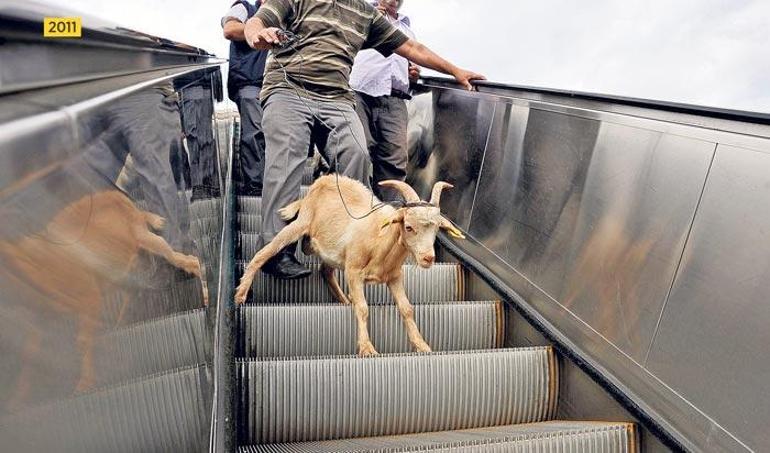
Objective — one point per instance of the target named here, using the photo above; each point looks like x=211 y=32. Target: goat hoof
x=191 y=265
x=240 y=296
x=367 y=350
x=422 y=347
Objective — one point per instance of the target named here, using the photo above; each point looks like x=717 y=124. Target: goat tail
x=289 y=212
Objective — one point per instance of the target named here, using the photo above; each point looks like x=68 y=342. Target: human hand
x=265 y=38
x=465 y=78
x=414 y=72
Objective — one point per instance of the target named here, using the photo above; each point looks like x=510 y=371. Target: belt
x=400 y=94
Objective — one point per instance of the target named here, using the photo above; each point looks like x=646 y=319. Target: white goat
x=370 y=250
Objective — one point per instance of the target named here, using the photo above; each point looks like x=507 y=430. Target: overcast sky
x=707 y=52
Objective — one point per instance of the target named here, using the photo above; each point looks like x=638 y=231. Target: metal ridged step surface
x=547 y=437
x=153 y=347
x=440 y=283
x=163 y=413
x=253 y=205
x=251 y=243
x=335 y=398
x=329 y=330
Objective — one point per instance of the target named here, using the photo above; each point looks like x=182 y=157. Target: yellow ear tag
x=455 y=233
x=386 y=223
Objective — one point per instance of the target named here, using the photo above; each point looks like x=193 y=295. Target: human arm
x=423 y=56
x=233 y=22
x=233 y=30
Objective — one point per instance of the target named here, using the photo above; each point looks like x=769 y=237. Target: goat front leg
x=289 y=234
x=406 y=310
x=361 y=310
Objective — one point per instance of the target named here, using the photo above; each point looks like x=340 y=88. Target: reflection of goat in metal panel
x=91 y=244
x=369 y=250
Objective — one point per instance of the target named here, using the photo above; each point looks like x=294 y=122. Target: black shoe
x=286 y=267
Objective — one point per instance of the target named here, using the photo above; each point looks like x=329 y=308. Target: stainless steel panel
x=712 y=346
x=585 y=213
x=102 y=255
x=595 y=213
x=447 y=144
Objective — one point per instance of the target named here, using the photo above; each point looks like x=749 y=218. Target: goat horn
x=435 y=197
x=406 y=190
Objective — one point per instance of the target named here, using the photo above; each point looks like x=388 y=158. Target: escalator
x=610 y=295
x=300 y=386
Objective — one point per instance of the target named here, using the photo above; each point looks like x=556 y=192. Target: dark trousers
x=251 y=156
x=385 y=120
x=197 y=114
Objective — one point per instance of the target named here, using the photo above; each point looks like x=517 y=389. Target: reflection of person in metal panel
x=144 y=124
x=197 y=111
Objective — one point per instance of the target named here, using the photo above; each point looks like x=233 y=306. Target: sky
x=704 y=52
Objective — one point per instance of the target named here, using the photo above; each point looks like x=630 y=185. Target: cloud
x=708 y=52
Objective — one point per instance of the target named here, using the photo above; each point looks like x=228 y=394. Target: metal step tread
x=299 y=330
x=152 y=347
x=440 y=283
x=253 y=205
x=251 y=243
x=555 y=436
x=167 y=412
x=328 y=398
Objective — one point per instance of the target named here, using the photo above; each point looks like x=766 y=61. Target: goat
x=88 y=246
x=371 y=249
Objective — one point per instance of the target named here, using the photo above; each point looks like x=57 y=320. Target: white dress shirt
x=376 y=75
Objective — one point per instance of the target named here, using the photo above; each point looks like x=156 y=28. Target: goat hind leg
x=29 y=353
x=85 y=343
x=361 y=311
x=155 y=221
x=289 y=234
x=334 y=284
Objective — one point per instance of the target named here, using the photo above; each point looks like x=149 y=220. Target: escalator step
x=251 y=243
x=544 y=437
x=307 y=176
x=440 y=283
x=209 y=208
x=253 y=205
x=329 y=330
x=158 y=414
x=152 y=347
x=335 y=398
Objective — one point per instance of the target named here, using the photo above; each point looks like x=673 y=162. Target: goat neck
x=388 y=248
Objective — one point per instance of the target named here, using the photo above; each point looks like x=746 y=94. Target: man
x=306 y=84
x=244 y=83
x=381 y=86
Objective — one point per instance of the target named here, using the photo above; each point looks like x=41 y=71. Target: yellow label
x=62 y=27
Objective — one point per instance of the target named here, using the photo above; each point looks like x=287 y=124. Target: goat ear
x=453 y=231
x=397 y=217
